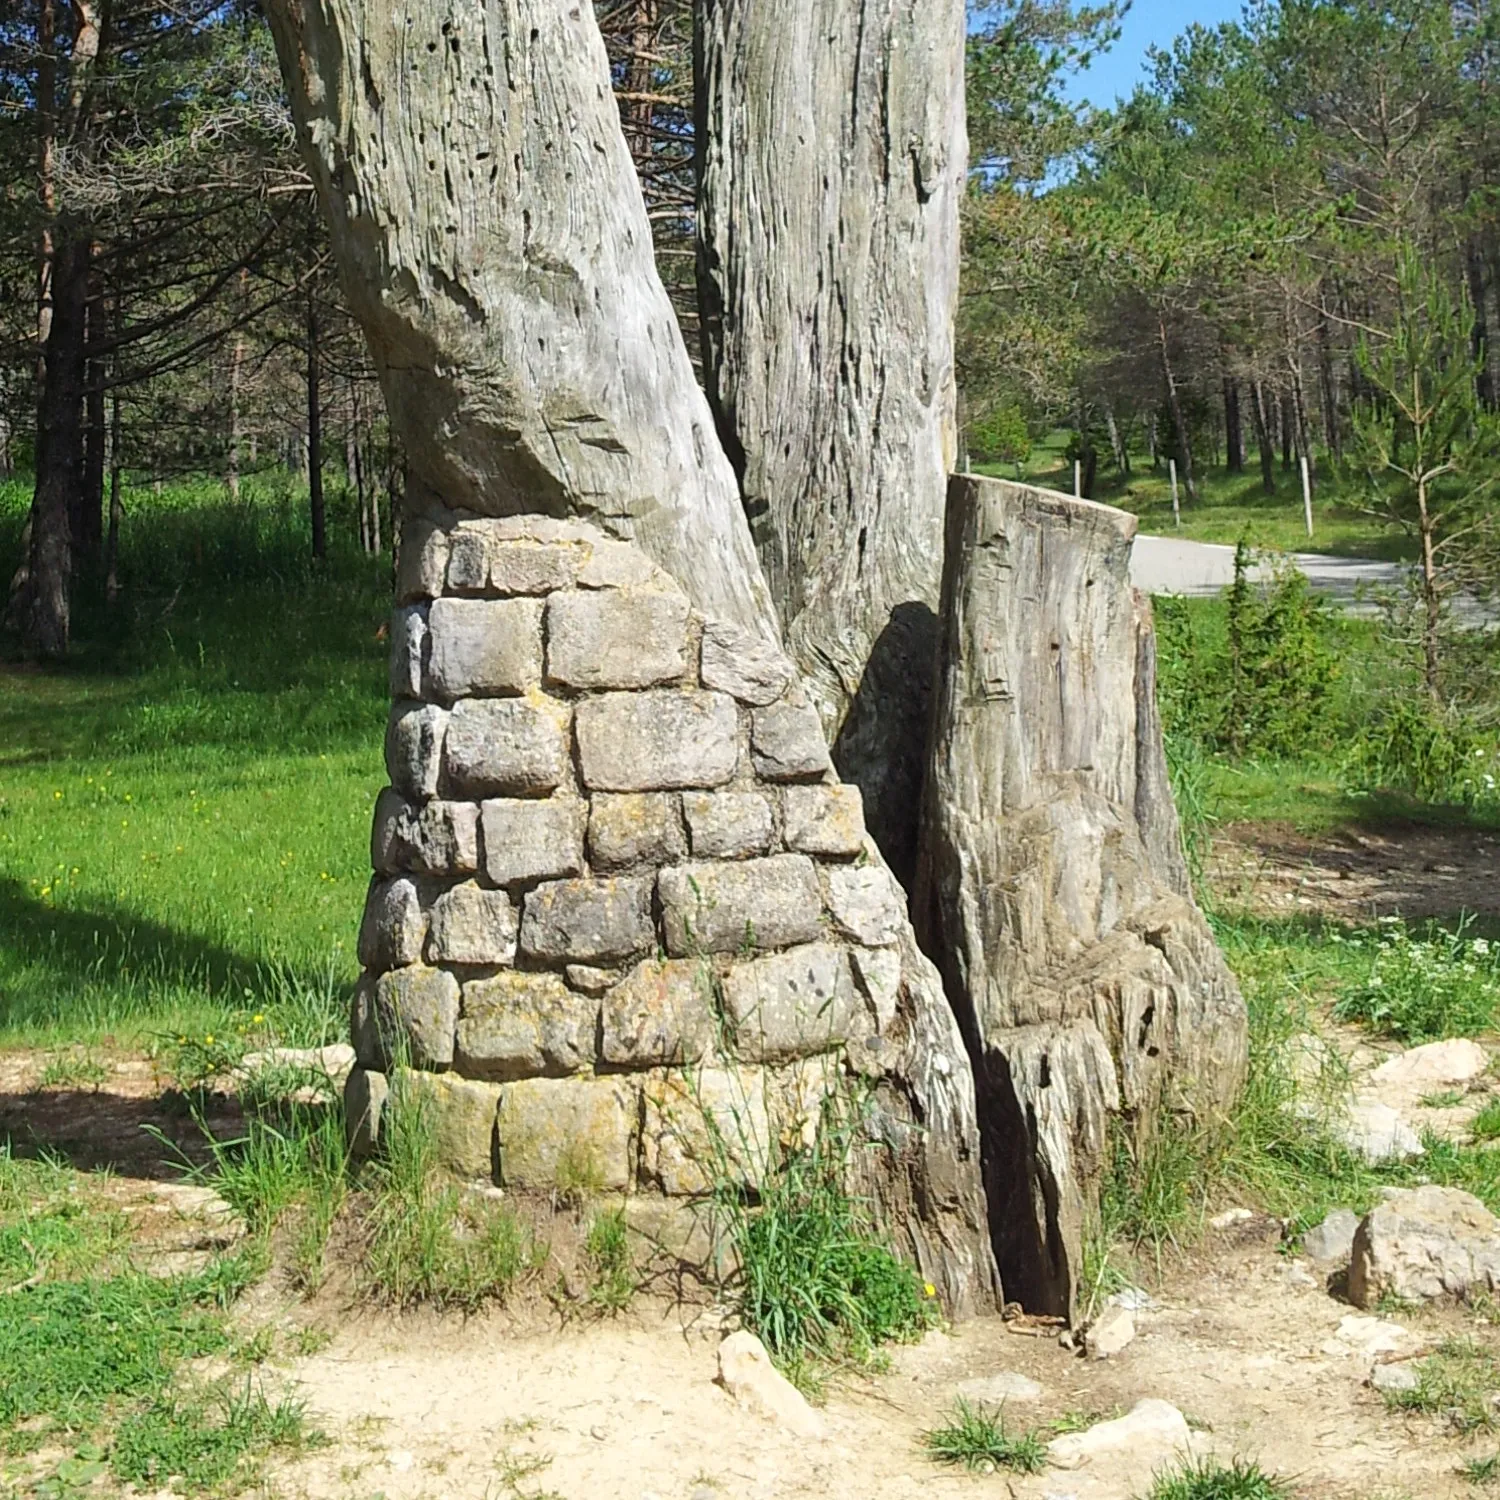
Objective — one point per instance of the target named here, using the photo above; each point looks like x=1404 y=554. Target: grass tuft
x=975 y=1437
x=607 y=1246
x=1208 y=1479
x=1459 y=1383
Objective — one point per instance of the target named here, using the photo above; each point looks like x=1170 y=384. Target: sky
x=1150 y=23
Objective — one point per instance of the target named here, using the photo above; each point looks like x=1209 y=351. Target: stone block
x=617 y=638
x=790 y=1004
x=435 y=838
x=365 y=1093
x=532 y=839
x=866 y=903
x=661 y=1013
x=484 y=646
x=459 y=1112
x=658 y=740
x=877 y=976
x=570 y=1133
x=513 y=747
x=394 y=925
x=468 y=560
x=414 y=748
x=520 y=1025
x=422 y=561
x=527 y=567
x=410 y=1012
x=728 y=825
x=787 y=744
x=735 y=661
x=472 y=925
x=616 y=565
x=723 y=908
x=704 y=1126
x=631 y=828
x=588 y=980
x=1423 y=1244
x=588 y=921
x=409 y=651
x=824 y=820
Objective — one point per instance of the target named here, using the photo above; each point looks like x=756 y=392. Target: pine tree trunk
x=832 y=158
x=315 y=436
x=88 y=516
x=1052 y=879
x=1234 y=432
x=1263 y=439
x=116 y=503
x=1174 y=402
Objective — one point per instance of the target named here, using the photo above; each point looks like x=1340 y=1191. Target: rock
x=588 y=921
x=1230 y=1217
x=408 y=672
x=786 y=742
x=365 y=1094
x=618 y=638
x=631 y=828
x=866 y=903
x=591 y=981
x=510 y=747
x=1434 y=1066
x=571 y=1133
x=1132 y=1297
x=526 y=567
x=998 y=1389
x=704 y=1126
x=1373 y=1131
x=877 y=976
x=1330 y=1243
x=484 y=646
x=415 y=1008
x=735 y=661
x=824 y=820
x=472 y=925
x=746 y=1372
x=659 y=740
x=468 y=560
x=1392 y=1379
x=521 y=1025
x=333 y=1061
x=529 y=839
x=727 y=825
x=758 y=903
x=435 y=838
x=459 y=1112
x=1150 y=1432
x=1109 y=1333
x=660 y=1014
x=394 y=926
x=1425 y=1243
x=422 y=559
x=1368 y=1336
x=616 y=565
x=414 y=748
x=790 y=1004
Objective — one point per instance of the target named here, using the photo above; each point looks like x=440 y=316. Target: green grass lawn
x=185 y=807
x=1230 y=505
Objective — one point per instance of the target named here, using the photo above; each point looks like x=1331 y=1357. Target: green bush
x=1436 y=755
x=1001 y=436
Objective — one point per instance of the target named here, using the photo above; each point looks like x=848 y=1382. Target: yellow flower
x=928 y=1289
x=208 y=1041
x=257 y=1018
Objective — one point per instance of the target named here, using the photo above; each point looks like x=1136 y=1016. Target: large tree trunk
x=88 y=515
x=832 y=157
x=1052 y=880
x=493 y=243
x=1234 y=432
x=492 y=239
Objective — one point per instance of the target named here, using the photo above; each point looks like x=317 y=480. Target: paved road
x=1169 y=565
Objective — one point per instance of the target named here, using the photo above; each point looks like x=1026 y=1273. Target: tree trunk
x=1328 y=391
x=1263 y=440
x=315 y=436
x=492 y=239
x=828 y=281
x=1234 y=432
x=1174 y=401
x=1484 y=382
x=483 y=207
x=87 y=520
x=1288 y=433
x=45 y=612
x=1432 y=599
x=1117 y=448
x=116 y=503
x=1052 y=878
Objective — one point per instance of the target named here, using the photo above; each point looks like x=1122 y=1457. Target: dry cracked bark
x=1051 y=878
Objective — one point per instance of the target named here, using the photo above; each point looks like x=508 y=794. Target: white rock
x=1376 y=1132
x=1230 y=1217
x=1425 y=1243
x=996 y=1389
x=1151 y=1431
x=1109 y=1333
x=1393 y=1378
x=1424 y=1068
x=1366 y=1336
x=746 y=1372
x=333 y=1061
x=1332 y=1240
x=1133 y=1298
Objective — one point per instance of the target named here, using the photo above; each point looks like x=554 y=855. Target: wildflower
x=1481 y=946
x=257 y=1019
x=57 y=796
x=208 y=1041
x=928 y=1290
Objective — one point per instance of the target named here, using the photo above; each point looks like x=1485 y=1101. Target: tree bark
x=1484 y=382
x=88 y=516
x=116 y=504
x=492 y=241
x=1052 y=878
x=1263 y=439
x=832 y=160
x=1234 y=432
x=1174 y=401
x=315 y=436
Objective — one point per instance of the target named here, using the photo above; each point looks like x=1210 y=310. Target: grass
x=974 y=1435
x=1485 y=1126
x=1458 y=1383
x=1481 y=1470
x=607 y=1247
x=1209 y=1479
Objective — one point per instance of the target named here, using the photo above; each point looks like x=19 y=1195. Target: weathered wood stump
x=1051 y=882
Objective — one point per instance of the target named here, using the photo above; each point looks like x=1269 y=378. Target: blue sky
x=1150 y=23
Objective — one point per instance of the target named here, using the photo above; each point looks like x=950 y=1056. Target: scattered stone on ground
x=1230 y=1217
x=1331 y=1241
x=1374 y=1131
x=1109 y=1333
x=1148 y=1435
x=1423 y=1244
x=746 y=1372
x=1390 y=1379
x=997 y=1389
x=1356 y=1334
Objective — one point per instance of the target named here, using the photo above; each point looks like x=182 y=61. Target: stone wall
x=625 y=925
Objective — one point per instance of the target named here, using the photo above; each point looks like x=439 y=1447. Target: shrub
x=1434 y=754
x=1001 y=435
x=1423 y=985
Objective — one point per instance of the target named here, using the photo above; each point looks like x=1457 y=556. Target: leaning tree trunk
x=492 y=240
x=832 y=157
x=1052 y=879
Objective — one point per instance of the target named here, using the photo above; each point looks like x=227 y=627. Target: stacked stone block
x=624 y=929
